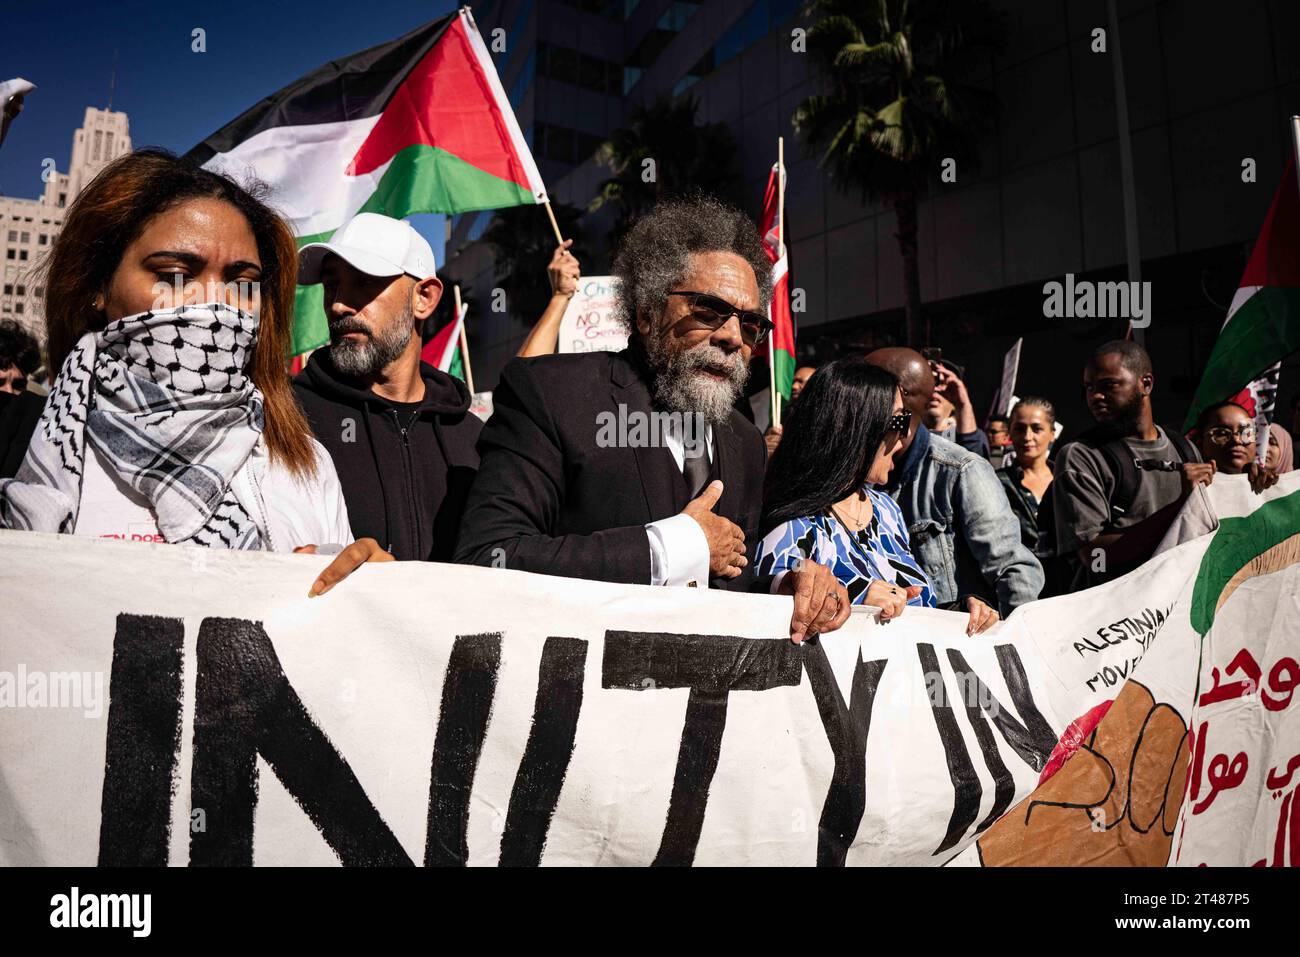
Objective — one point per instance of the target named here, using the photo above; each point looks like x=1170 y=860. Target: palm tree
x=894 y=105
x=522 y=243
x=688 y=156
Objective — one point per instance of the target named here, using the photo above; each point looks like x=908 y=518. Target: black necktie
x=696 y=468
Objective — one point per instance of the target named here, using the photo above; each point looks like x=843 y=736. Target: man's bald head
x=913 y=374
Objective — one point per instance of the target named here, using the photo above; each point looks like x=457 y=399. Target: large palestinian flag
x=1263 y=324
x=417 y=125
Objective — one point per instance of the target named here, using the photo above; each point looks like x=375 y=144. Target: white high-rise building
x=28 y=227
x=104 y=136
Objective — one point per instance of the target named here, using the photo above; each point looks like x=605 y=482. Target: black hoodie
x=405 y=468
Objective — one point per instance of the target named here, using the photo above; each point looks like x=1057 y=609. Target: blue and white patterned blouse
x=880 y=552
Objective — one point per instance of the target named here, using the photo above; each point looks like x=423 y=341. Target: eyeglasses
x=713 y=313
x=899 y=422
x=1222 y=435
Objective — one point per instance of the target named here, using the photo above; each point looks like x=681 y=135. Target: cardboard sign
x=588 y=324
x=481 y=405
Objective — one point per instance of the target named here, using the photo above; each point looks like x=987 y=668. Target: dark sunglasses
x=713 y=313
x=899 y=423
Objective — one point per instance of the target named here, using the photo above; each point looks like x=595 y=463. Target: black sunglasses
x=899 y=422
x=713 y=313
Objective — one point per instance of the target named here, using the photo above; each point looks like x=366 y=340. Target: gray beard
x=367 y=358
x=679 y=388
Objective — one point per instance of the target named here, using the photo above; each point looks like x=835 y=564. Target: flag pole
x=780 y=251
x=464 y=341
x=1295 y=144
x=780 y=194
x=771 y=376
x=559 y=239
x=1128 y=191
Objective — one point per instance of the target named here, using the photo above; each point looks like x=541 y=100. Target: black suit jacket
x=548 y=498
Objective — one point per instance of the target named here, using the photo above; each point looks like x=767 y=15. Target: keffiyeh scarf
x=164 y=399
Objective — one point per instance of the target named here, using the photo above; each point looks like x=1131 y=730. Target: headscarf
x=1286 y=461
x=164 y=399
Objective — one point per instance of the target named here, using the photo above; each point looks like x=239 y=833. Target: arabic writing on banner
x=1193 y=760
x=589 y=324
x=210 y=713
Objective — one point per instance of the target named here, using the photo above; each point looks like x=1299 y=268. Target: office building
x=1207 y=123
x=28 y=227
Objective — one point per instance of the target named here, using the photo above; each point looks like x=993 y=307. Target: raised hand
x=563 y=271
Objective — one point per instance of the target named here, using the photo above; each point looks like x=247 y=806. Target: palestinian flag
x=1263 y=324
x=780 y=344
x=417 y=125
x=443 y=350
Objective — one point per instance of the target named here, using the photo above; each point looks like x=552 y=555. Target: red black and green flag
x=1263 y=324
x=417 y=125
x=780 y=345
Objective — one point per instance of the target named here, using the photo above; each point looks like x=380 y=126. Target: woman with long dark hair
x=169 y=308
x=819 y=503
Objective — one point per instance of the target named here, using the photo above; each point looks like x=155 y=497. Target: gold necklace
x=856 y=521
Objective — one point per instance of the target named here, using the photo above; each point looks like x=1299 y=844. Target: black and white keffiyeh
x=164 y=399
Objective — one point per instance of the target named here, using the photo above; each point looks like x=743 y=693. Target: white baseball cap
x=377 y=245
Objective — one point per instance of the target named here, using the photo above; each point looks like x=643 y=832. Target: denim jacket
x=962 y=530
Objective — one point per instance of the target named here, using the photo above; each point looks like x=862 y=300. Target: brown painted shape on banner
x=1284 y=553
x=1115 y=802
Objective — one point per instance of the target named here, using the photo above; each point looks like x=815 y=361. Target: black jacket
x=549 y=498
x=1023 y=505
x=19 y=415
x=405 y=474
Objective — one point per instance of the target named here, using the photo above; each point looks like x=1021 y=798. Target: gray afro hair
x=655 y=254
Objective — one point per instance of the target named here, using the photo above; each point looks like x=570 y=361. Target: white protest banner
x=588 y=324
x=161 y=704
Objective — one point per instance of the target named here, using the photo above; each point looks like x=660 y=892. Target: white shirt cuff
x=679 y=552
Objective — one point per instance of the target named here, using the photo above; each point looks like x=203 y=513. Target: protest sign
x=162 y=704
x=589 y=324
x=481 y=405
x=1003 y=399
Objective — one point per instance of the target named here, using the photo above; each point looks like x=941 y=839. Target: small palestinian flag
x=1263 y=324
x=417 y=125
x=443 y=350
x=780 y=344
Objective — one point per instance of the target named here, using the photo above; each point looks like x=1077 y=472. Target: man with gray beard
x=634 y=466
x=399 y=430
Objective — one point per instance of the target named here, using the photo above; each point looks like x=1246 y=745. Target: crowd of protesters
x=173 y=412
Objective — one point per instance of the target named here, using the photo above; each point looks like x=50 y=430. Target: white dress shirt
x=679 y=552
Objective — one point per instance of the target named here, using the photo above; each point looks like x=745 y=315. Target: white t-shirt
x=291 y=512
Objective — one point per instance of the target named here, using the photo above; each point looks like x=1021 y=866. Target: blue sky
x=173 y=96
